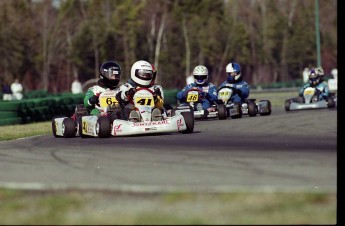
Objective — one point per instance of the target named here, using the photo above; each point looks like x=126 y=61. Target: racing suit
x=124 y=96
x=241 y=91
x=208 y=91
x=322 y=90
x=91 y=101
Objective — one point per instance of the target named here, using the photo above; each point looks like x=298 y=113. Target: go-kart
x=309 y=100
x=193 y=100
x=247 y=107
x=143 y=101
x=81 y=123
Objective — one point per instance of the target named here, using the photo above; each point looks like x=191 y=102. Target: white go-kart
x=92 y=125
x=145 y=123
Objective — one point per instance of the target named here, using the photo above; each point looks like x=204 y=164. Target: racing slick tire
x=330 y=102
x=103 y=127
x=189 y=120
x=269 y=107
x=68 y=128
x=252 y=109
x=222 y=112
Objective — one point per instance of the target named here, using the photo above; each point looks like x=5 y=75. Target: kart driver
x=110 y=75
x=316 y=80
x=142 y=76
x=208 y=91
x=234 y=80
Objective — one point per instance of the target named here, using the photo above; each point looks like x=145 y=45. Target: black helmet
x=110 y=73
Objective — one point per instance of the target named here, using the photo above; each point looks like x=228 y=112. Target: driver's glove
x=155 y=97
x=202 y=95
x=158 y=92
x=94 y=100
x=130 y=93
x=317 y=92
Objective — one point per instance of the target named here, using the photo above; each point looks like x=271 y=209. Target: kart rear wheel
x=330 y=102
x=252 y=109
x=68 y=128
x=103 y=127
x=222 y=111
x=269 y=107
x=189 y=120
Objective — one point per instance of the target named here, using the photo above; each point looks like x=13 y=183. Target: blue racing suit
x=241 y=91
x=321 y=89
x=208 y=91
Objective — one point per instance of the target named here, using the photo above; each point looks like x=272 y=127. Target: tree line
x=47 y=43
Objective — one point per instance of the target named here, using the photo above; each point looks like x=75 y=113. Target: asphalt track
x=286 y=151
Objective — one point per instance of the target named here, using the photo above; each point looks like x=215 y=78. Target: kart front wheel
x=68 y=128
x=189 y=120
x=103 y=127
x=330 y=102
x=222 y=111
x=252 y=109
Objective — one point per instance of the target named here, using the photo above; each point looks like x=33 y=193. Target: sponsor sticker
x=117 y=129
x=151 y=123
x=179 y=123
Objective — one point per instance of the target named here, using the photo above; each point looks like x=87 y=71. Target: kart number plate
x=193 y=96
x=148 y=101
x=106 y=101
x=224 y=94
x=308 y=92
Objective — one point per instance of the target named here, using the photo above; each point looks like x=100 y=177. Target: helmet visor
x=232 y=74
x=112 y=74
x=312 y=75
x=144 y=74
x=314 y=79
x=200 y=77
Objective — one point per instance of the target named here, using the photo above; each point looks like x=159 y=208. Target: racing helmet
x=200 y=74
x=314 y=77
x=110 y=73
x=142 y=73
x=233 y=71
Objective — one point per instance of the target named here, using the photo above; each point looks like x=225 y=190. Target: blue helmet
x=233 y=71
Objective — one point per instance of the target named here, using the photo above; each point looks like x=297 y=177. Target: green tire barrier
x=41 y=106
x=10 y=121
